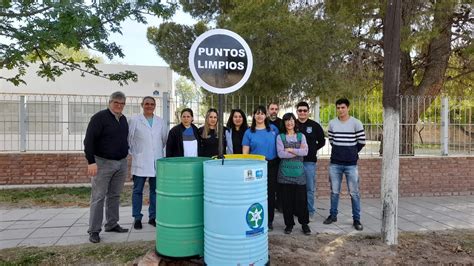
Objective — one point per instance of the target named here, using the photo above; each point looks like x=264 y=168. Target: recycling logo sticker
x=255 y=217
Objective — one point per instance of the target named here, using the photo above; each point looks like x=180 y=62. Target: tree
x=336 y=48
x=186 y=92
x=35 y=30
x=292 y=52
x=435 y=34
x=64 y=53
x=391 y=105
x=173 y=41
x=187 y=95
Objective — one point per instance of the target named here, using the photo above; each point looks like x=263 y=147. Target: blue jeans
x=352 y=178
x=310 y=172
x=137 y=197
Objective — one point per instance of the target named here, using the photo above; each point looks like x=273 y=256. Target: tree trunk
x=408 y=120
x=412 y=107
x=407 y=138
x=433 y=72
x=391 y=121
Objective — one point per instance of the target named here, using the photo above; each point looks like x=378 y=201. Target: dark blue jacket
x=106 y=137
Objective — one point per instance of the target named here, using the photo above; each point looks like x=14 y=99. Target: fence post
x=444 y=126
x=23 y=123
x=316 y=108
x=166 y=110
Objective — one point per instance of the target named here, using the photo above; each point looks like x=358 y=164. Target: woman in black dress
x=209 y=135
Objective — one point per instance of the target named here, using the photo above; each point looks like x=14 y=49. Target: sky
x=133 y=41
x=135 y=46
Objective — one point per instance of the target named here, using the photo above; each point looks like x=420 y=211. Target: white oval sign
x=220 y=61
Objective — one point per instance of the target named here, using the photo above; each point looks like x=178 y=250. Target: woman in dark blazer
x=183 y=139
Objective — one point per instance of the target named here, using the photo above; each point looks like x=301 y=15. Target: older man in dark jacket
x=106 y=149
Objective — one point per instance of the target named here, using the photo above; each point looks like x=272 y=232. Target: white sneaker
x=311 y=218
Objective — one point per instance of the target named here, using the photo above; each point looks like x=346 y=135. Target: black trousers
x=294 y=203
x=272 y=172
x=278 y=202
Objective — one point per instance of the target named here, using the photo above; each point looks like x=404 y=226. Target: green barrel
x=179 y=207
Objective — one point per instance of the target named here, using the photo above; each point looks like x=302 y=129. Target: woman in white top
x=183 y=139
x=147 y=138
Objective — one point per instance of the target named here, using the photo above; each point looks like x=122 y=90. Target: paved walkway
x=68 y=226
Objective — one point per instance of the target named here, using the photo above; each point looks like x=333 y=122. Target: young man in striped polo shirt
x=347 y=138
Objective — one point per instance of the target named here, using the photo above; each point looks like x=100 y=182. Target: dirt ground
x=443 y=247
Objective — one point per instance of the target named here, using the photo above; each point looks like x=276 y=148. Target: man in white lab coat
x=147 y=138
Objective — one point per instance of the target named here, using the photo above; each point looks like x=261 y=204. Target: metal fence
x=56 y=123
x=52 y=122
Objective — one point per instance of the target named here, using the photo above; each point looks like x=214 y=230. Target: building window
x=80 y=115
x=132 y=109
x=43 y=117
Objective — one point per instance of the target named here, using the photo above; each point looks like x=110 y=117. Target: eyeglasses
x=302 y=110
x=118 y=103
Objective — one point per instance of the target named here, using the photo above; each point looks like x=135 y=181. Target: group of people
x=289 y=145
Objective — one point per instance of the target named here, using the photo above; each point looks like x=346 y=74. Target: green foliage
x=461 y=109
x=459 y=75
x=206 y=10
x=39 y=30
x=186 y=92
x=173 y=42
x=292 y=51
x=65 y=53
x=462 y=112
x=423 y=25
x=369 y=112
x=302 y=50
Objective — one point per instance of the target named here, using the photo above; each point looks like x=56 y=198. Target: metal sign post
x=221 y=62
x=221 y=126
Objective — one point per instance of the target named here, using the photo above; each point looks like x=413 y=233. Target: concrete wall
x=150 y=78
x=419 y=176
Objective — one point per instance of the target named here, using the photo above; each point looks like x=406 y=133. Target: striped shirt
x=347 y=139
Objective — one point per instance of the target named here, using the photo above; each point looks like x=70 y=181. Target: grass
x=110 y=254
x=53 y=197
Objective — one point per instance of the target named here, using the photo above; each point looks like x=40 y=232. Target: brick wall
x=43 y=168
x=419 y=176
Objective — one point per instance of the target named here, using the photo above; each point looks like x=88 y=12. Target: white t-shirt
x=190 y=144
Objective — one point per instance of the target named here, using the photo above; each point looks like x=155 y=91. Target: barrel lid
x=245 y=156
x=183 y=159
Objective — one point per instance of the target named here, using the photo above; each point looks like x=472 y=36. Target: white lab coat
x=146 y=144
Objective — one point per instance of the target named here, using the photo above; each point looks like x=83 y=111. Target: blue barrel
x=235 y=212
